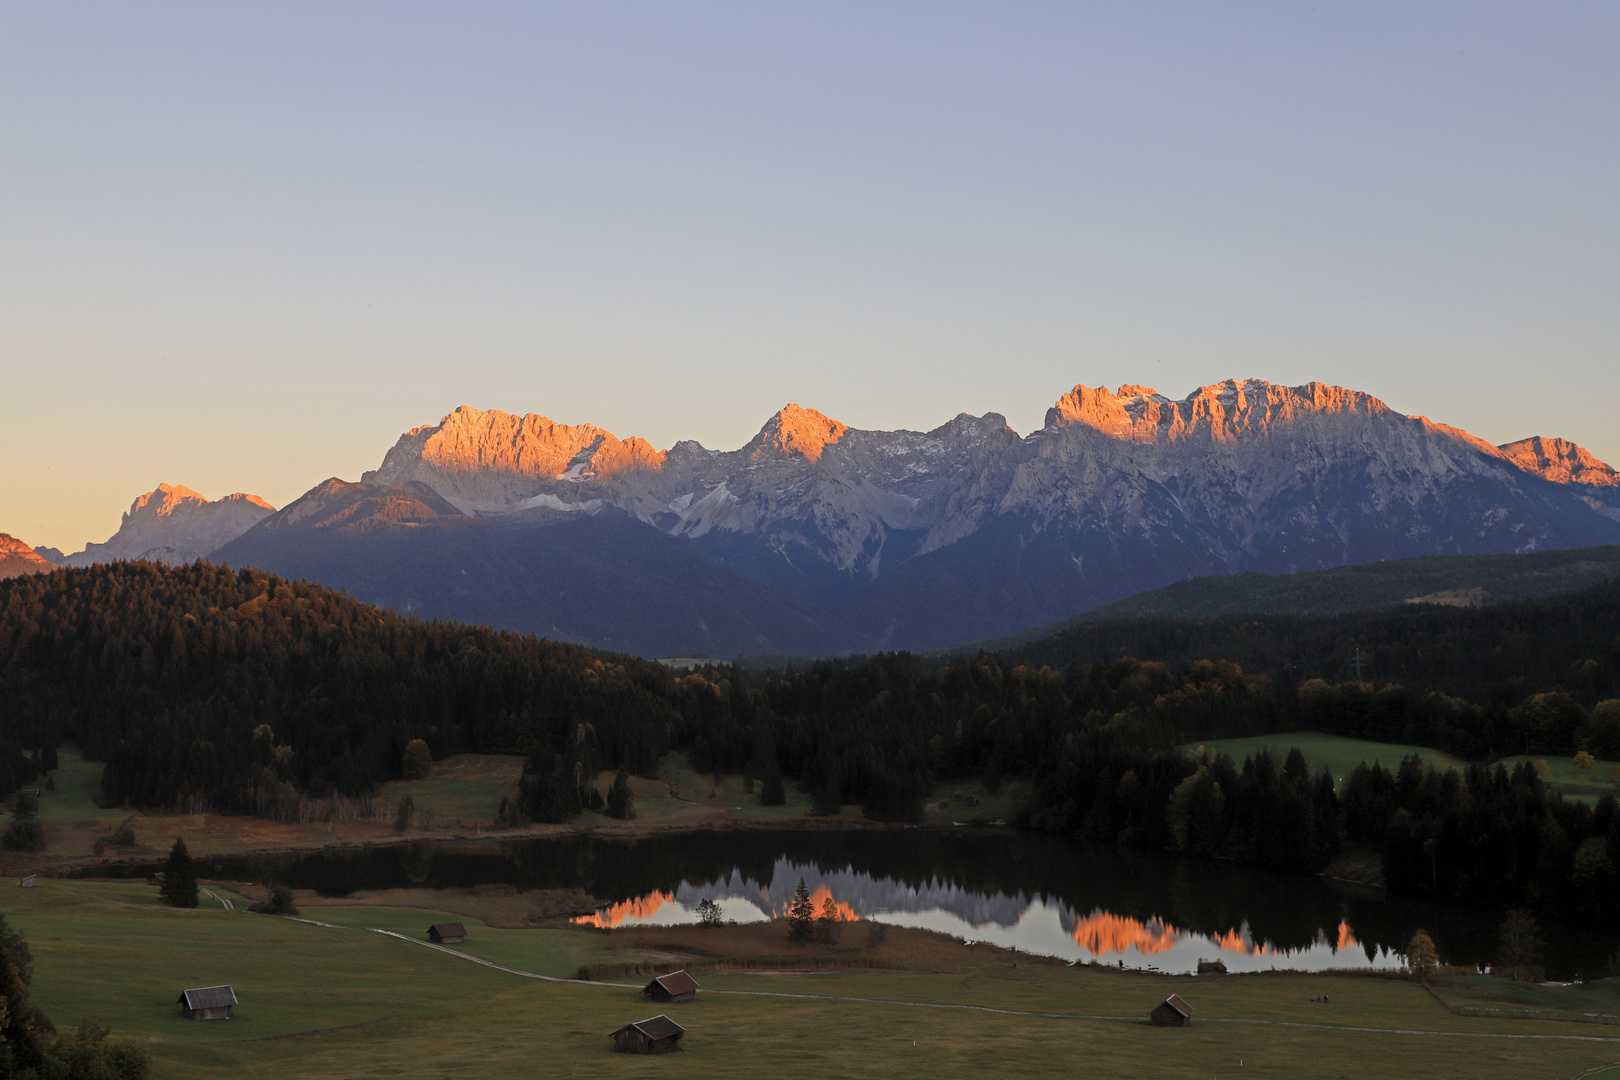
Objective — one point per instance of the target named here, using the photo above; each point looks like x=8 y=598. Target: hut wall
x=222 y=1012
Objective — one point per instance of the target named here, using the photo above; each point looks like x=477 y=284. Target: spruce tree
x=25 y=833
x=801 y=916
x=825 y=802
x=179 y=880
x=771 y=792
x=621 y=803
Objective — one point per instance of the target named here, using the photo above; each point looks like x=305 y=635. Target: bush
x=417 y=763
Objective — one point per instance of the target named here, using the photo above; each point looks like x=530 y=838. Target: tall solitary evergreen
x=801 y=915
x=771 y=792
x=621 y=802
x=179 y=880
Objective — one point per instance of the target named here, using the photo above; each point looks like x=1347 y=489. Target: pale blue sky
x=243 y=247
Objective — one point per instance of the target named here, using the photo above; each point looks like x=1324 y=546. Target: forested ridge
x=202 y=687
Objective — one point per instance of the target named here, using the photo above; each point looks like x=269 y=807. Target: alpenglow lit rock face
x=173 y=524
x=926 y=539
x=17 y=558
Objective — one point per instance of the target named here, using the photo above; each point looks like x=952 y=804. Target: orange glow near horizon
x=819 y=896
x=1232 y=941
x=1347 y=939
x=1102 y=934
x=640 y=907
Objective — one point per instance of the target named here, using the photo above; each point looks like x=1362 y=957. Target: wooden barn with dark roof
x=659 y=1035
x=676 y=986
x=447 y=933
x=1171 y=1012
x=208 y=1002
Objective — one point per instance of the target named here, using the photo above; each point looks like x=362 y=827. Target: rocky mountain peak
x=796 y=432
x=1222 y=412
x=17 y=558
x=492 y=460
x=175 y=524
x=1560 y=461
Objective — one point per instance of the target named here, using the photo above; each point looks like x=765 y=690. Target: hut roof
x=208 y=997
x=658 y=1027
x=1175 y=1002
x=448 y=929
x=678 y=982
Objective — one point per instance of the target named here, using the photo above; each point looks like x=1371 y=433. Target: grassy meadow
x=341 y=1001
x=1342 y=755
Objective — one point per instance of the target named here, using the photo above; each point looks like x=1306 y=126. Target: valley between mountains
x=816 y=538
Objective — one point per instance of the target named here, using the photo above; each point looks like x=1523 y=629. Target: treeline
x=1493 y=656
x=202 y=687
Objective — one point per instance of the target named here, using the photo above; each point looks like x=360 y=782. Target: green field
x=1342 y=755
x=1333 y=752
x=342 y=1001
x=78 y=783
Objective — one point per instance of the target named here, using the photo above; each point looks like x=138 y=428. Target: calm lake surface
x=1038 y=893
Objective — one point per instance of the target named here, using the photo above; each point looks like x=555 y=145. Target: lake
x=1031 y=891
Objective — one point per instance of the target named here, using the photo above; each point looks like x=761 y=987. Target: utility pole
x=1356 y=664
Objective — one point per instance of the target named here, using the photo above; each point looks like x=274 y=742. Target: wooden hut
x=1171 y=1012
x=1211 y=967
x=27 y=882
x=676 y=986
x=208 y=1002
x=447 y=933
x=655 y=1036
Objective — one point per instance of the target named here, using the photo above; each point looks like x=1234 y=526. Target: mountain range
x=816 y=537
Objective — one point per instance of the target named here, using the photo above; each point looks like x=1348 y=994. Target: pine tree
x=179 y=880
x=402 y=820
x=621 y=802
x=771 y=792
x=25 y=833
x=825 y=802
x=801 y=916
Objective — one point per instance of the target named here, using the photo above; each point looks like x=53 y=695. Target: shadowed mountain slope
x=604 y=580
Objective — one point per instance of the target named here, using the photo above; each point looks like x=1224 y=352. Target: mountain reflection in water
x=1037 y=892
x=1049 y=927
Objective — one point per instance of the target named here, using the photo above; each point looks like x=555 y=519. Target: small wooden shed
x=27 y=882
x=1211 y=967
x=158 y=878
x=1171 y=1012
x=676 y=986
x=208 y=1002
x=447 y=933
x=658 y=1035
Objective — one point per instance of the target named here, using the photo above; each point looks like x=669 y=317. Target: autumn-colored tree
x=828 y=922
x=1421 y=958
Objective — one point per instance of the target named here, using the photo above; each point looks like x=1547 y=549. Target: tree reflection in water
x=1033 y=890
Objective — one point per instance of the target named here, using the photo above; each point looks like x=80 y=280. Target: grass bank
x=342 y=1001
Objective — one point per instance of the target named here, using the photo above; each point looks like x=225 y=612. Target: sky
x=243 y=247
